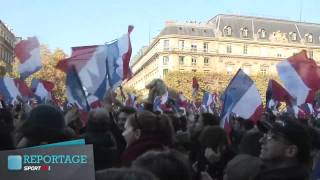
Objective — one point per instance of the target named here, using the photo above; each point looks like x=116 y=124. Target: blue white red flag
x=42 y=89
x=10 y=89
x=300 y=76
x=28 y=53
x=242 y=98
x=101 y=67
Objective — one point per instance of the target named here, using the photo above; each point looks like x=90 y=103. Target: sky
x=68 y=23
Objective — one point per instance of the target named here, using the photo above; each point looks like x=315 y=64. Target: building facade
x=223 y=45
x=7 y=43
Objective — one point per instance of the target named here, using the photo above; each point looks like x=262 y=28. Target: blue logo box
x=14 y=162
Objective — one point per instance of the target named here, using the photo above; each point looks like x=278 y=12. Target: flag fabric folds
x=10 y=89
x=28 y=53
x=300 y=76
x=242 y=98
x=101 y=67
x=75 y=92
x=42 y=89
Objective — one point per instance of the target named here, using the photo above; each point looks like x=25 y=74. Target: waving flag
x=182 y=101
x=275 y=94
x=242 y=98
x=131 y=101
x=75 y=92
x=300 y=76
x=10 y=89
x=101 y=67
x=195 y=86
x=42 y=89
x=28 y=52
x=159 y=103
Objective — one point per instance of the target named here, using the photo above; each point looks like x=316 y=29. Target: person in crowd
x=73 y=120
x=246 y=164
x=6 y=129
x=204 y=120
x=45 y=124
x=239 y=127
x=123 y=114
x=124 y=174
x=99 y=134
x=285 y=151
x=146 y=131
x=214 y=152
x=166 y=165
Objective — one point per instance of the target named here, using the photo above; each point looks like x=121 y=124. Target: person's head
x=249 y=143
x=44 y=124
x=123 y=114
x=208 y=119
x=124 y=174
x=73 y=120
x=285 y=140
x=168 y=165
x=147 y=124
x=214 y=142
x=98 y=120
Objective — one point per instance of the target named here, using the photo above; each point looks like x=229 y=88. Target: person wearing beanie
x=45 y=124
x=285 y=151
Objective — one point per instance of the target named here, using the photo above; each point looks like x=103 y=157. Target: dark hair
x=213 y=136
x=250 y=144
x=127 y=110
x=124 y=174
x=153 y=125
x=209 y=119
x=45 y=123
x=98 y=120
x=167 y=165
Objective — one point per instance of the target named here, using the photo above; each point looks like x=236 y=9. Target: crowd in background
x=170 y=145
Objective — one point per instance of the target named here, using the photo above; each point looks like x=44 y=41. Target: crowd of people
x=169 y=145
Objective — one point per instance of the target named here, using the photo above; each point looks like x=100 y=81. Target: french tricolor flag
x=12 y=88
x=101 y=67
x=242 y=98
x=131 y=101
x=275 y=94
x=42 y=89
x=28 y=52
x=300 y=76
x=159 y=103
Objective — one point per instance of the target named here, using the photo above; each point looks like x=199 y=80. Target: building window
x=279 y=54
x=193 y=47
x=309 y=38
x=194 y=70
x=181 y=60
x=165 y=60
x=229 y=48
x=205 y=47
x=166 y=44
x=181 y=69
x=193 y=61
x=206 y=61
x=245 y=49
x=262 y=33
x=165 y=72
x=293 y=36
x=181 y=44
x=244 y=32
x=227 y=31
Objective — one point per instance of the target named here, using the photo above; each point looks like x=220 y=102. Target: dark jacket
x=104 y=149
x=139 y=147
x=289 y=173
